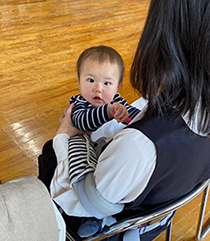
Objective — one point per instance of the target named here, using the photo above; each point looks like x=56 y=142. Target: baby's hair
x=102 y=54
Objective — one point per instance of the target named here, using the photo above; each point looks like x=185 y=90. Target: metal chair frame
x=162 y=211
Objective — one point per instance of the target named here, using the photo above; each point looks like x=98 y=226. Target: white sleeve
x=107 y=130
x=140 y=103
x=60 y=146
x=60 y=223
x=125 y=166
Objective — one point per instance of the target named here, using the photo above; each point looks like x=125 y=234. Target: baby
x=100 y=73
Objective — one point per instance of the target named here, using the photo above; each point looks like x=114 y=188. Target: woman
x=164 y=153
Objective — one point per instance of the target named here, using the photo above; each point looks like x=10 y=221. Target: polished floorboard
x=40 y=41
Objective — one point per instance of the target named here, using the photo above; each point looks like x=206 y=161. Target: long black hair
x=171 y=67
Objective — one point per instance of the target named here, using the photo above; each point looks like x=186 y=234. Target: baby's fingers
x=122 y=115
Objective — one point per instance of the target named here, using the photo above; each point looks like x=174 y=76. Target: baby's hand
x=118 y=112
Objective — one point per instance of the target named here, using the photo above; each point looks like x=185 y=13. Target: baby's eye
x=107 y=83
x=90 y=80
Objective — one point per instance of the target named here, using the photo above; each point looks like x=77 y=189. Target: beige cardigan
x=26 y=211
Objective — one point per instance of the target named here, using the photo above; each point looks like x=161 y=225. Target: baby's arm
x=88 y=118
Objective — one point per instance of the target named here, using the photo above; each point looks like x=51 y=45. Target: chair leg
x=168 y=231
x=201 y=234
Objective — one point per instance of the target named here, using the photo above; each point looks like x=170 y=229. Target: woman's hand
x=66 y=125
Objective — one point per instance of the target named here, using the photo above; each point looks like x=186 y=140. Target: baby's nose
x=98 y=88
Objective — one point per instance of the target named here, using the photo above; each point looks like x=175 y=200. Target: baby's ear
x=78 y=84
x=119 y=85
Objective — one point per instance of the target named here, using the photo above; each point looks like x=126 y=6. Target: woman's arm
x=125 y=166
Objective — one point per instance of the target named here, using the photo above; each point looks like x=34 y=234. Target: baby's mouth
x=97 y=98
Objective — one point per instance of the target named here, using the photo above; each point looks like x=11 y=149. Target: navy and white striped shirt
x=88 y=118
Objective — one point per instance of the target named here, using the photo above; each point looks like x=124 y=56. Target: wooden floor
x=40 y=41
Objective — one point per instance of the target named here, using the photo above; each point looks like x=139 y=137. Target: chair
x=157 y=213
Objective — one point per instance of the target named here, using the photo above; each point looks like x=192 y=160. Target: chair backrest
x=137 y=220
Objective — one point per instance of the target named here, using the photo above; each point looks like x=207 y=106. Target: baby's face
x=99 y=82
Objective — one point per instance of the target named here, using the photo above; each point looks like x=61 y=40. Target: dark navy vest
x=183 y=161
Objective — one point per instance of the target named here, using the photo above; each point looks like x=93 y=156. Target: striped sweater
x=88 y=119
